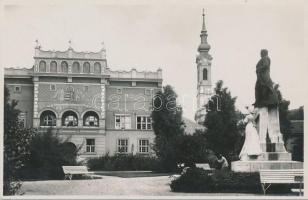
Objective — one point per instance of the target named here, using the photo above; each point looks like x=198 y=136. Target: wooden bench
x=205 y=166
x=69 y=171
x=278 y=176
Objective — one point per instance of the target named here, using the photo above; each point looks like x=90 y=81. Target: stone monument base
x=255 y=166
x=273 y=147
x=274 y=154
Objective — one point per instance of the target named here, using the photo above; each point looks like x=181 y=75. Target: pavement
x=112 y=185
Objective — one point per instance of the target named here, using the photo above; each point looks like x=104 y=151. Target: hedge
x=199 y=180
x=124 y=163
x=223 y=181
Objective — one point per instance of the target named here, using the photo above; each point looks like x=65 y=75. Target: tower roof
x=204 y=46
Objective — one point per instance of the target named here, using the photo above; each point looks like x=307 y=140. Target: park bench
x=205 y=166
x=69 y=171
x=278 y=176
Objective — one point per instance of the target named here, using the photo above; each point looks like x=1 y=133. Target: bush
x=47 y=156
x=191 y=149
x=123 y=163
x=198 y=180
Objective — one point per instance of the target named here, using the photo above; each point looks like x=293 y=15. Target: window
x=90 y=119
x=17 y=89
x=86 y=67
x=122 y=146
x=64 y=67
x=90 y=145
x=144 y=123
x=204 y=74
x=53 y=66
x=97 y=68
x=69 y=118
x=22 y=117
x=42 y=66
x=148 y=92
x=48 y=118
x=119 y=91
x=52 y=87
x=144 y=145
x=76 y=67
x=122 y=122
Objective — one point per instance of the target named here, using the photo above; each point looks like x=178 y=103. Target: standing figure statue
x=251 y=148
x=266 y=102
x=265 y=96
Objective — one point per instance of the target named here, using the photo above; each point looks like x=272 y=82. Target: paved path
x=109 y=185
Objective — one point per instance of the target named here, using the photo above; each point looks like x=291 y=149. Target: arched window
x=42 y=66
x=204 y=74
x=97 y=68
x=48 y=118
x=76 y=67
x=69 y=118
x=90 y=119
x=86 y=67
x=64 y=67
x=53 y=66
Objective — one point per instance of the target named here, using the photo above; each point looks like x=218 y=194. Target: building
x=204 y=82
x=83 y=101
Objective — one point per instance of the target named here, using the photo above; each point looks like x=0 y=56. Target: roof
x=191 y=126
x=70 y=53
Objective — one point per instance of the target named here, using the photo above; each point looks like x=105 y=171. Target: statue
x=266 y=102
x=264 y=92
x=251 y=148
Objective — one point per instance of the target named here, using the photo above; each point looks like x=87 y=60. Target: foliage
x=48 y=153
x=296 y=114
x=167 y=126
x=16 y=145
x=222 y=133
x=191 y=149
x=199 y=180
x=123 y=162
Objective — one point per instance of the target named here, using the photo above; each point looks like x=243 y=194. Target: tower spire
x=203 y=24
x=204 y=46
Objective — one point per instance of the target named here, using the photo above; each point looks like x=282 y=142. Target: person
x=251 y=147
x=222 y=162
x=265 y=95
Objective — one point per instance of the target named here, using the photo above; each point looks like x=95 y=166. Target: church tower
x=204 y=84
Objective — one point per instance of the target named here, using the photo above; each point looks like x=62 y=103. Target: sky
x=147 y=36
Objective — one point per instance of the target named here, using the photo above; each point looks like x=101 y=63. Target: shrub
x=48 y=153
x=123 y=163
x=198 y=180
x=191 y=149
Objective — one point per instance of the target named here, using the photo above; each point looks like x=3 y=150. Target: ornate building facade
x=83 y=101
x=204 y=82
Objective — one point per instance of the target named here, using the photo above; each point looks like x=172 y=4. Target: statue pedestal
x=274 y=154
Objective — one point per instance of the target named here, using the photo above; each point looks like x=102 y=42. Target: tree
x=222 y=134
x=16 y=145
x=48 y=153
x=167 y=125
x=191 y=149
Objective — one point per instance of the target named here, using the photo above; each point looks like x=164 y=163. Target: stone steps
x=255 y=166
